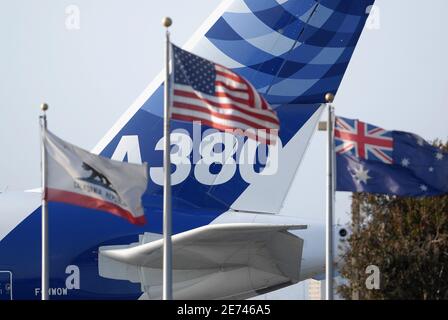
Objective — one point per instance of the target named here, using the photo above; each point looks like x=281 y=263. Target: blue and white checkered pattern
x=292 y=51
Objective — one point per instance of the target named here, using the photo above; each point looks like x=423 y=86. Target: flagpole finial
x=167 y=22
x=329 y=97
x=44 y=107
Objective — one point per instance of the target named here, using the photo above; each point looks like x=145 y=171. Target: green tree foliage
x=407 y=238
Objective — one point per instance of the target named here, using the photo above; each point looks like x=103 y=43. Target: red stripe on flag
x=264 y=104
x=189 y=94
x=218 y=126
x=252 y=92
x=229 y=95
x=229 y=106
x=376 y=130
x=93 y=203
x=361 y=138
x=228 y=86
x=341 y=124
x=216 y=114
x=230 y=76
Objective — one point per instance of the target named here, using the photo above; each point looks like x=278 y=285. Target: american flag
x=363 y=140
x=217 y=97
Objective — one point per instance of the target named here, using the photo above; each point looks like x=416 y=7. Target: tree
x=406 y=238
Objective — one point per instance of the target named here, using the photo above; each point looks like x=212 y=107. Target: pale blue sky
x=397 y=78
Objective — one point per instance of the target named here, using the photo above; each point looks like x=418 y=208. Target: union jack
x=363 y=140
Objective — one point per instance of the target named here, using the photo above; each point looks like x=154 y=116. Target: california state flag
x=84 y=179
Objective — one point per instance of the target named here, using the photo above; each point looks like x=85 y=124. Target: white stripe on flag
x=263 y=112
x=233 y=93
x=262 y=135
x=231 y=83
x=223 y=111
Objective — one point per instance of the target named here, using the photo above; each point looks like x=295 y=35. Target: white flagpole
x=329 y=97
x=45 y=255
x=167 y=245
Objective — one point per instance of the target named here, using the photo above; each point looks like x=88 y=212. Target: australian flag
x=371 y=159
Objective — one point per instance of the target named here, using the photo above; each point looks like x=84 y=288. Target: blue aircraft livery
x=293 y=52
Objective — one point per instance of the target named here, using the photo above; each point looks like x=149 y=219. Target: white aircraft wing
x=250 y=258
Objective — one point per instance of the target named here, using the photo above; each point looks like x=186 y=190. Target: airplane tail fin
x=293 y=52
